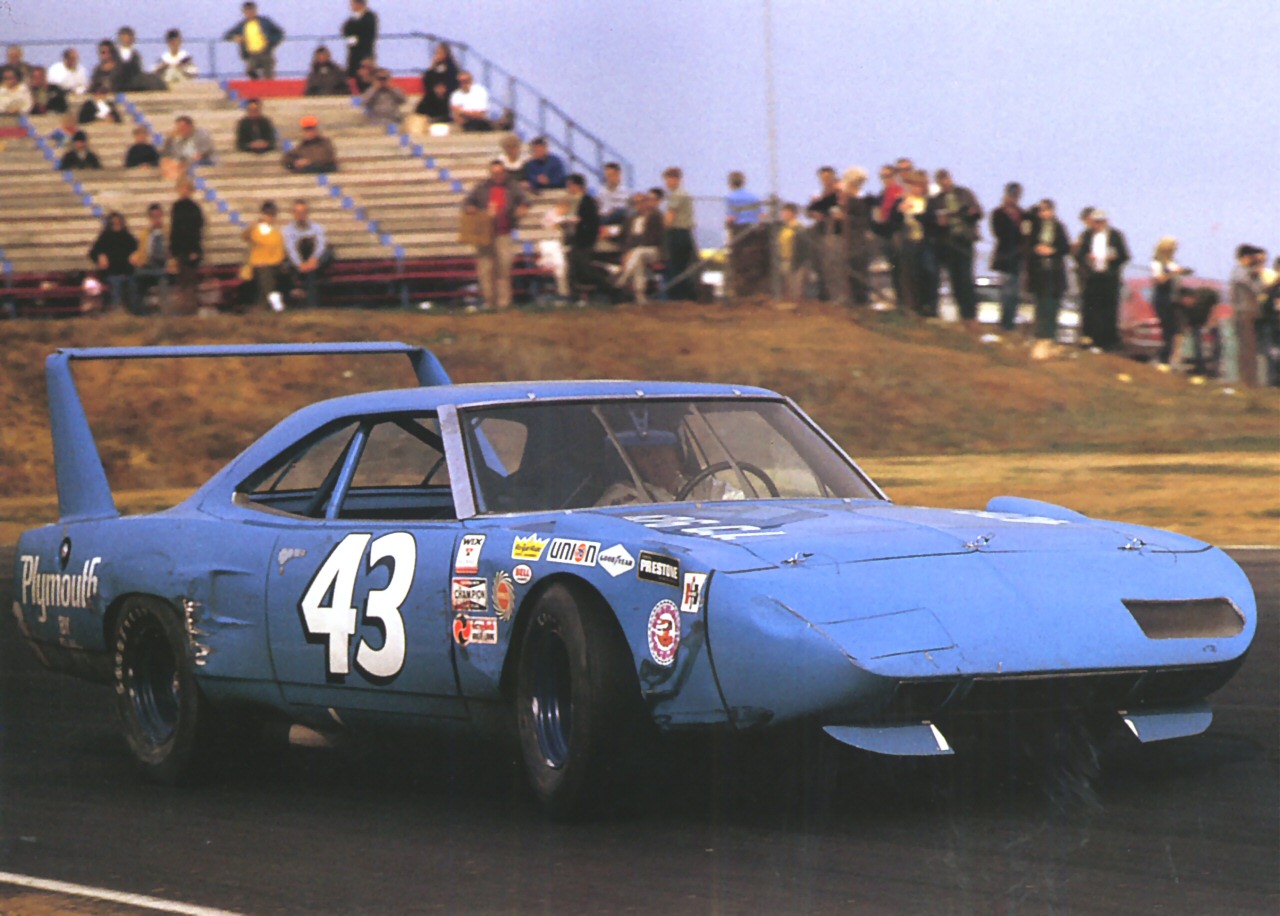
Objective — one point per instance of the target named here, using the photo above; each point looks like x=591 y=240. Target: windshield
x=549 y=456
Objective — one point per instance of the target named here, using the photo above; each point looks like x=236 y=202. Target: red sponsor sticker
x=504 y=595
x=664 y=632
x=522 y=574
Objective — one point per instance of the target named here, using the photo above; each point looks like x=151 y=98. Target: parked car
x=584 y=565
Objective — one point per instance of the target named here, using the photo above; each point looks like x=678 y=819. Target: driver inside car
x=655 y=455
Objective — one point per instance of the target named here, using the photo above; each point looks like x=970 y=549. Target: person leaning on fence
x=258 y=38
x=314 y=153
x=490 y=213
x=266 y=255
x=641 y=244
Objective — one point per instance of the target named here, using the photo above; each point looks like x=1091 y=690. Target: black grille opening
x=1204 y=618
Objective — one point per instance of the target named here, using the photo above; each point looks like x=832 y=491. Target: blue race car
x=588 y=562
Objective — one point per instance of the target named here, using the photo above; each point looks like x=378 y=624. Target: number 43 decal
x=336 y=621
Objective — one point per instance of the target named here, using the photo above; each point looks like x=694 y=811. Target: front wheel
x=159 y=706
x=578 y=707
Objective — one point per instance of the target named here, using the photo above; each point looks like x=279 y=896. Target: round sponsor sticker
x=504 y=595
x=522 y=574
x=664 y=632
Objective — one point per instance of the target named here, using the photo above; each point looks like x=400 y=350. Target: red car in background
x=1140 y=328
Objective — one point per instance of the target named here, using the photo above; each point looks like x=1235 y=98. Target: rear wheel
x=578 y=707
x=163 y=714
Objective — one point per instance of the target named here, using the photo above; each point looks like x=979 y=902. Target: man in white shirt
x=613 y=198
x=1101 y=258
x=69 y=73
x=470 y=104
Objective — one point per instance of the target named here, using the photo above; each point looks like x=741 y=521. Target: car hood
x=816 y=533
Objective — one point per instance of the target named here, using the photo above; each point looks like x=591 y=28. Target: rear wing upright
x=83 y=491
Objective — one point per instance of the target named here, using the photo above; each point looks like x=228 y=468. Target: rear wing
x=83 y=491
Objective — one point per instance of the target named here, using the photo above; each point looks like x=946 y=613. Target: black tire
x=578 y=708
x=161 y=710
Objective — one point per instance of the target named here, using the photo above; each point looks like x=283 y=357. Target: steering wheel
x=713 y=469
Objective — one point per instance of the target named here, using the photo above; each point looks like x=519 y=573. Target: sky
x=1164 y=114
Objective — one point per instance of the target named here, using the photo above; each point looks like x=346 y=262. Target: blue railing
x=403 y=53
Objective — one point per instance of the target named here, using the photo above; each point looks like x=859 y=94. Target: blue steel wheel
x=158 y=704
x=577 y=699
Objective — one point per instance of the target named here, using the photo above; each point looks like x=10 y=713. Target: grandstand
x=391 y=211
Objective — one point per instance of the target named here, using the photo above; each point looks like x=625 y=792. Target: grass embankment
x=1093 y=432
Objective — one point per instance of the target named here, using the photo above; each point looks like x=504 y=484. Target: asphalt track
x=1188 y=826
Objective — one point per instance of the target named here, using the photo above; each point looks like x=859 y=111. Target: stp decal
x=691 y=592
x=664 y=633
x=468 y=560
x=702 y=527
x=522 y=574
x=473 y=631
x=529 y=547
x=616 y=560
x=575 y=553
x=504 y=595
x=470 y=595
x=655 y=567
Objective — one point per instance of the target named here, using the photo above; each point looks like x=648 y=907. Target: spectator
x=1165 y=274
x=582 y=230
x=439 y=82
x=130 y=61
x=266 y=255
x=360 y=32
x=859 y=241
x=1269 y=328
x=112 y=254
x=504 y=202
x=382 y=101
x=325 y=77
x=544 y=170
x=187 y=144
x=551 y=251
x=513 y=156
x=914 y=229
x=613 y=197
x=258 y=38
x=795 y=254
x=69 y=74
x=142 y=154
x=308 y=251
x=470 y=104
x=1101 y=257
x=186 y=245
x=109 y=71
x=152 y=260
x=100 y=107
x=15 y=97
x=748 y=249
x=1238 y=360
x=1195 y=306
x=314 y=153
x=79 y=156
x=13 y=59
x=828 y=229
x=175 y=65
x=255 y=133
x=741 y=207
x=1047 y=248
x=957 y=213
x=678 y=237
x=641 y=244
x=1007 y=257
x=883 y=206
x=45 y=97
x=365 y=76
